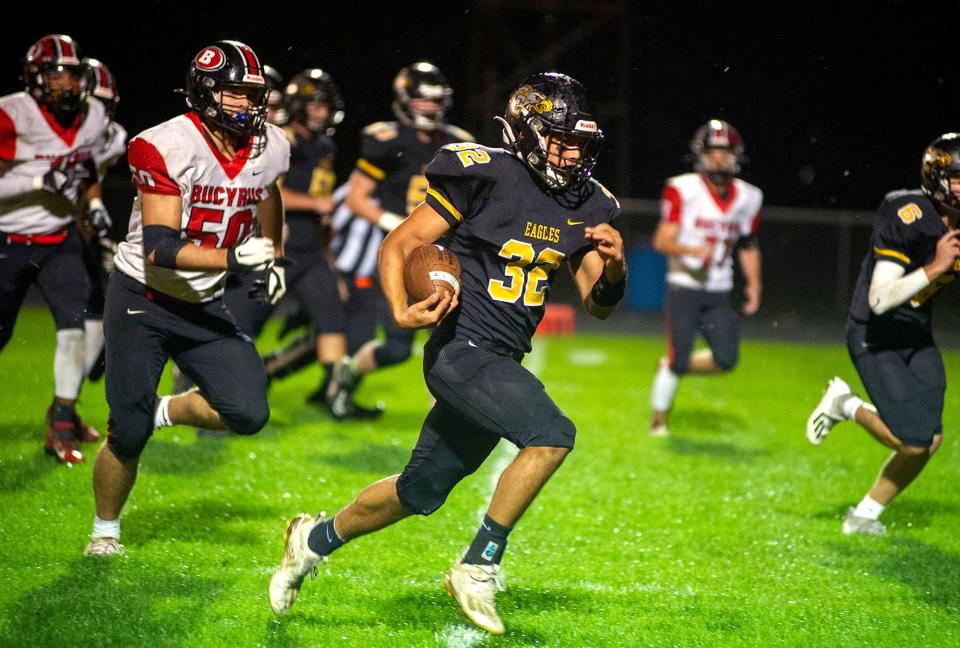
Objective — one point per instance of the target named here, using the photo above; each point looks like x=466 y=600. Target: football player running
x=513 y=216
x=314 y=108
x=387 y=184
x=204 y=180
x=48 y=138
x=913 y=253
x=706 y=216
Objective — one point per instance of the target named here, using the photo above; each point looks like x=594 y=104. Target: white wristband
x=37 y=183
x=389 y=221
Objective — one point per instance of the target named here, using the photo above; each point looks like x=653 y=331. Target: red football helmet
x=102 y=85
x=717 y=134
x=51 y=54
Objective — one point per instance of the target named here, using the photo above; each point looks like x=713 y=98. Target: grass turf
x=727 y=533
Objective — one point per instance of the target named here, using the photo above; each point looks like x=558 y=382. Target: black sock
x=63 y=412
x=323 y=538
x=327 y=377
x=488 y=546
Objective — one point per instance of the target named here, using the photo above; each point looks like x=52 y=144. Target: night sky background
x=835 y=103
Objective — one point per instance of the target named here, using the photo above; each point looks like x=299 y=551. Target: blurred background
x=835 y=103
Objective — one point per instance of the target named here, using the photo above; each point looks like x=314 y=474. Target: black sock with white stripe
x=488 y=545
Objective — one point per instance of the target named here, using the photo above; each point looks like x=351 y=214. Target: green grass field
x=725 y=534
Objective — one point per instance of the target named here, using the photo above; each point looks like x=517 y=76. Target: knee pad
x=248 y=419
x=559 y=432
x=680 y=366
x=128 y=431
x=423 y=491
x=68 y=363
x=726 y=362
x=391 y=352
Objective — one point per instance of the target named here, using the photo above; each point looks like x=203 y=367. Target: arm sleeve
x=889 y=287
x=453 y=189
x=670 y=204
x=377 y=152
x=8 y=137
x=149 y=169
x=889 y=241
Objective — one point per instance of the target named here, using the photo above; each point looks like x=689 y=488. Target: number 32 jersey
x=511 y=235
x=705 y=217
x=219 y=198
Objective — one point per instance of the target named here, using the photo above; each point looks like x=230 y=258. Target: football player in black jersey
x=314 y=107
x=913 y=253
x=387 y=184
x=513 y=216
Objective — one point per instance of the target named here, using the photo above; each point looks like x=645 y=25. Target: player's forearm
x=270 y=216
x=194 y=257
x=299 y=201
x=889 y=287
x=390 y=261
x=15 y=185
x=750 y=266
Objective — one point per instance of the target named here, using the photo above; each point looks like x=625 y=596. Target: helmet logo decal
x=210 y=59
x=526 y=98
x=586 y=126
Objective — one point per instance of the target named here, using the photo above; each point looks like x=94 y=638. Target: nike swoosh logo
x=135 y=312
x=469 y=343
x=256 y=172
x=572 y=222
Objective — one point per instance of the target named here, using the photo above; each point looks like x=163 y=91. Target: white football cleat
x=103 y=547
x=828 y=411
x=854 y=524
x=298 y=561
x=659 y=429
x=474 y=588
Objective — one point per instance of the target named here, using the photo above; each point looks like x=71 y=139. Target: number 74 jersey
x=218 y=198
x=705 y=217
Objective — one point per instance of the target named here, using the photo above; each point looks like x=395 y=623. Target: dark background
x=835 y=103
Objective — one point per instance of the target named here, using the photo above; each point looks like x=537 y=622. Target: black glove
x=55 y=181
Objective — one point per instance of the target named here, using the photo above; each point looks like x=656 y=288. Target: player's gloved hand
x=99 y=218
x=55 y=181
x=272 y=286
x=256 y=253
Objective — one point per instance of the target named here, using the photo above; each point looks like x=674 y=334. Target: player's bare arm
x=361 y=202
x=665 y=241
x=299 y=201
x=605 y=260
x=165 y=210
x=270 y=215
x=750 y=264
x=423 y=226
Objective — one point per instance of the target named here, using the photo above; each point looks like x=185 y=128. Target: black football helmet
x=222 y=65
x=276 y=110
x=314 y=84
x=941 y=161
x=102 y=85
x=421 y=81
x=554 y=105
x=55 y=53
x=717 y=133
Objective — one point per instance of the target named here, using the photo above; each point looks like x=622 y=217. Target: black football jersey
x=511 y=235
x=906 y=232
x=393 y=156
x=311 y=172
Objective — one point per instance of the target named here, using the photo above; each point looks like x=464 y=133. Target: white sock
x=162 y=416
x=664 y=389
x=869 y=508
x=68 y=363
x=93 y=343
x=106 y=528
x=850 y=407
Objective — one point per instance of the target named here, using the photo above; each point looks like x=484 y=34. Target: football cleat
x=659 y=429
x=298 y=561
x=853 y=523
x=828 y=412
x=343 y=408
x=62 y=443
x=103 y=547
x=474 y=588
x=81 y=430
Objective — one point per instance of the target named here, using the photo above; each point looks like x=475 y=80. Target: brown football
x=430 y=269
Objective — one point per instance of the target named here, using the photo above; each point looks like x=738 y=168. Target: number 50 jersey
x=511 y=235
x=219 y=198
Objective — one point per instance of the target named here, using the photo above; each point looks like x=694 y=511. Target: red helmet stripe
x=66 y=48
x=49 y=48
x=253 y=64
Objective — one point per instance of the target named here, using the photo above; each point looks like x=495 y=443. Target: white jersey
x=113 y=144
x=219 y=199
x=32 y=142
x=705 y=217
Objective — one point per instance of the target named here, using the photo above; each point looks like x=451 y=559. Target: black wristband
x=164 y=242
x=608 y=294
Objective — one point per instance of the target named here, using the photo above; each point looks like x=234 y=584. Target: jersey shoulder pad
x=469 y=159
x=905 y=207
x=381 y=131
x=606 y=193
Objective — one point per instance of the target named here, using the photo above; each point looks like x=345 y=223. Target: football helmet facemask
x=228 y=65
x=55 y=53
x=421 y=81
x=313 y=84
x=276 y=110
x=941 y=161
x=554 y=106
x=717 y=134
x=102 y=85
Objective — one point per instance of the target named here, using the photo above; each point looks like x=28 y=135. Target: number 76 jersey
x=705 y=217
x=218 y=198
